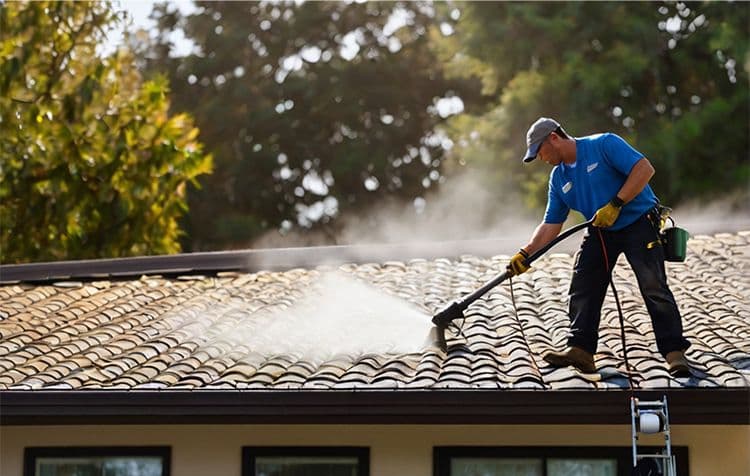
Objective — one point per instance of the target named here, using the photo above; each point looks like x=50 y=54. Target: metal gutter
x=686 y=406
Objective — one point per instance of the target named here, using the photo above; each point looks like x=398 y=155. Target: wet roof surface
x=159 y=333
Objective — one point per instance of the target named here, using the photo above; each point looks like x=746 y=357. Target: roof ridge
x=270 y=259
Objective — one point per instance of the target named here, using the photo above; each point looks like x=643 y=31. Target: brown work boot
x=678 y=364
x=574 y=356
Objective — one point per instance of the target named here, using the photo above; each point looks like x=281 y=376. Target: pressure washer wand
x=456 y=309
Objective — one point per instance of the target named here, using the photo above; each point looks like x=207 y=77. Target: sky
x=139 y=10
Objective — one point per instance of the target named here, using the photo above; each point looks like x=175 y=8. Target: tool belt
x=672 y=238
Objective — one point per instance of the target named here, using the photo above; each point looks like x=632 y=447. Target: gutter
x=686 y=406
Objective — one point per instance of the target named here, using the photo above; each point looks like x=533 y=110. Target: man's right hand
x=518 y=264
x=607 y=215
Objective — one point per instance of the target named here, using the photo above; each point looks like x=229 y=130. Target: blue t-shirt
x=603 y=163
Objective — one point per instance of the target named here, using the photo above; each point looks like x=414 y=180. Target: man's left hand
x=607 y=215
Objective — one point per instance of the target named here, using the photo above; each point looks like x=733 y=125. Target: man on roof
x=604 y=178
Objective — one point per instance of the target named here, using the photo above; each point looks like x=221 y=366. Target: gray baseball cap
x=536 y=135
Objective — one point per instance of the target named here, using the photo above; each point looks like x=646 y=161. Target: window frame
x=623 y=455
x=31 y=454
x=250 y=453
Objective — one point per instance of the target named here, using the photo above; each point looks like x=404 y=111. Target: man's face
x=548 y=151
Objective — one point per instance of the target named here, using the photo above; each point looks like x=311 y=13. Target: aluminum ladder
x=651 y=417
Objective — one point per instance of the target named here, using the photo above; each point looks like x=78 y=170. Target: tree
x=666 y=76
x=311 y=110
x=92 y=163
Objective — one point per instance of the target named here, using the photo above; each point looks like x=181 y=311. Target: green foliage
x=672 y=78
x=92 y=164
x=304 y=125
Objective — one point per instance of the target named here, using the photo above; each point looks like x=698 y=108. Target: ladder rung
x=653 y=456
x=650 y=403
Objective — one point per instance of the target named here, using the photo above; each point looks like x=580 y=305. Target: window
x=305 y=461
x=541 y=461
x=97 y=461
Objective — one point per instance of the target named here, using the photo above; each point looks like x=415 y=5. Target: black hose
x=465 y=302
x=455 y=310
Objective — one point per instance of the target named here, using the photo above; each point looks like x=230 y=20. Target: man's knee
x=652 y=284
x=652 y=277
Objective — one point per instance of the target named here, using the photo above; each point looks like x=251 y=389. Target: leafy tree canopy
x=672 y=78
x=310 y=110
x=91 y=163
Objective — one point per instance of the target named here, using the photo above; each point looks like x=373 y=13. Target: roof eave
x=686 y=406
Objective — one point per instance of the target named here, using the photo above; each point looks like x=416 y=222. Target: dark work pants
x=591 y=279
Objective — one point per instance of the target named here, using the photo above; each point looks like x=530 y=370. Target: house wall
x=200 y=450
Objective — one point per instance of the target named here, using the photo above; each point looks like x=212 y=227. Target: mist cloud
x=467 y=216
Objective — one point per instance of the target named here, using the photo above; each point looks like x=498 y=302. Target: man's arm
x=543 y=234
x=637 y=180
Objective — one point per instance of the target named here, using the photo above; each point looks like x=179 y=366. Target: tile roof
x=154 y=332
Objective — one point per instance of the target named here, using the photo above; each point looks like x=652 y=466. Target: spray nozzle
x=443 y=319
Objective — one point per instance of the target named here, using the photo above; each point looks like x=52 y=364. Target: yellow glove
x=607 y=215
x=518 y=264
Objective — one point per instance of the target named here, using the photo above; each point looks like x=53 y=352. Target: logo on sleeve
x=591 y=167
x=566 y=188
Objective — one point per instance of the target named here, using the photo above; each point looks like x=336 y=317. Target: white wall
x=215 y=450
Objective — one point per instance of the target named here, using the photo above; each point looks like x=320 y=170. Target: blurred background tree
x=312 y=110
x=319 y=111
x=670 y=77
x=92 y=163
